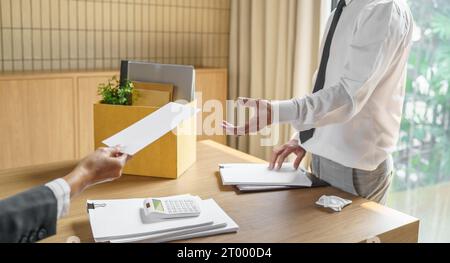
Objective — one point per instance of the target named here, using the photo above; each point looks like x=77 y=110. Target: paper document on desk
x=260 y=188
x=119 y=219
x=259 y=175
x=144 y=132
x=222 y=224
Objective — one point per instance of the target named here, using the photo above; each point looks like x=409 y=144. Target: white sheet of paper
x=168 y=235
x=260 y=175
x=144 y=132
x=260 y=188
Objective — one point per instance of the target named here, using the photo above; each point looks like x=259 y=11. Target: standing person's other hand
x=259 y=121
x=281 y=153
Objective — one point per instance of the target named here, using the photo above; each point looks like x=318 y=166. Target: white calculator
x=171 y=208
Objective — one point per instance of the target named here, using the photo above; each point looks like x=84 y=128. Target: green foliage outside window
x=423 y=154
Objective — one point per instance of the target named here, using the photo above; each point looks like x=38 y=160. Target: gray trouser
x=372 y=185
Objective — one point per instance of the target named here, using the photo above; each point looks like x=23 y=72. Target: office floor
x=431 y=205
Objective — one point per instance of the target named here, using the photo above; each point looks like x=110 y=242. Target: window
x=421 y=184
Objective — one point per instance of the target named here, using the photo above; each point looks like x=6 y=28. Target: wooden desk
x=283 y=216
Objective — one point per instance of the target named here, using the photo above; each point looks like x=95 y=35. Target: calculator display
x=157 y=204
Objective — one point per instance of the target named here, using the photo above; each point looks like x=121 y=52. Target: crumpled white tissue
x=334 y=202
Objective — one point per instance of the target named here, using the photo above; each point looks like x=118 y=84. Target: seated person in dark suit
x=31 y=216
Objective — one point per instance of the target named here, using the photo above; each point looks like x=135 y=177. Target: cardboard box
x=168 y=157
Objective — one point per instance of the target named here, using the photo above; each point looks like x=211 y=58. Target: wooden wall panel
x=213 y=85
x=97 y=34
x=87 y=96
x=37 y=122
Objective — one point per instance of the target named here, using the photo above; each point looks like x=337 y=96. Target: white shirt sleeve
x=61 y=190
x=377 y=37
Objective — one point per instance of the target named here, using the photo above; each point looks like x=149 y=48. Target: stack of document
x=123 y=221
x=249 y=177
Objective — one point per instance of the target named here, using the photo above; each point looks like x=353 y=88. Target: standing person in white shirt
x=351 y=122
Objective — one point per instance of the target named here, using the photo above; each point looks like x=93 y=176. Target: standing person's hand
x=259 y=121
x=105 y=164
x=281 y=153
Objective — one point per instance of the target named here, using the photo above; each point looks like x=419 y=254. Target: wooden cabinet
x=37 y=123
x=48 y=117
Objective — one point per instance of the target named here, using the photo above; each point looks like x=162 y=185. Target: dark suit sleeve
x=29 y=216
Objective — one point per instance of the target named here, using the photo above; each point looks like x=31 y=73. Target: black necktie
x=320 y=81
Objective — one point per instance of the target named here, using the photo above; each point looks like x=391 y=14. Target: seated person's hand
x=281 y=153
x=259 y=121
x=105 y=164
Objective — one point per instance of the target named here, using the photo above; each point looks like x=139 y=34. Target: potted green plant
x=114 y=93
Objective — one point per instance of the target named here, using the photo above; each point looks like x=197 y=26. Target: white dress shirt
x=61 y=190
x=358 y=112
